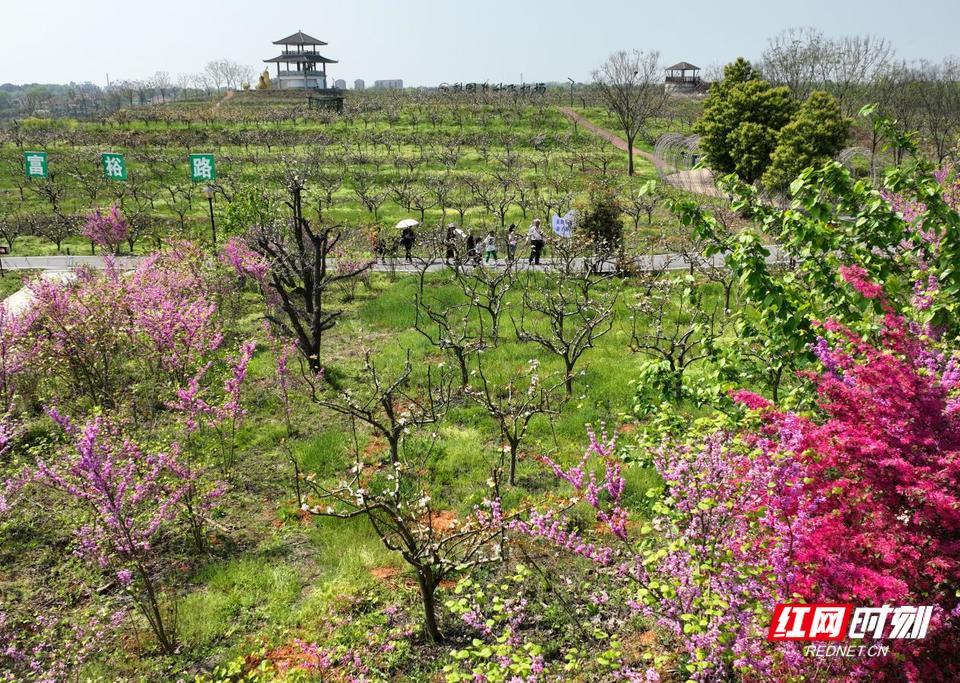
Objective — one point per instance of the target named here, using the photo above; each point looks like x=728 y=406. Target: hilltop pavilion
x=301 y=60
x=682 y=76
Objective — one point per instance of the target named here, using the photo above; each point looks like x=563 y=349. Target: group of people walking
x=485 y=247
x=478 y=248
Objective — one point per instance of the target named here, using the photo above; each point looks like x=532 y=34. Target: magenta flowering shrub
x=883 y=518
x=107 y=336
x=107 y=230
x=128 y=497
x=221 y=415
x=236 y=254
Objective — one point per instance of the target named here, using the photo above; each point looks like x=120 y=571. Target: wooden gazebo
x=304 y=67
x=683 y=74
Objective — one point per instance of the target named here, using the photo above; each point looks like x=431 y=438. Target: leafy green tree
x=600 y=218
x=250 y=208
x=742 y=97
x=751 y=145
x=813 y=137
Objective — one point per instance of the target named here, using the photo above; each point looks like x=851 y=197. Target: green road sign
x=114 y=167
x=202 y=167
x=35 y=164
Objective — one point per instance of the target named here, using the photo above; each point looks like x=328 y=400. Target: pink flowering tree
x=107 y=230
x=129 y=497
x=243 y=260
x=221 y=415
x=118 y=340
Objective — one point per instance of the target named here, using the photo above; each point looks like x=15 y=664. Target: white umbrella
x=407 y=223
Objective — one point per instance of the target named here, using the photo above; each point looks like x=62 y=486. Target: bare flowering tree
x=630 y=85
x=391 y=406
x=487 y=289
x=676 y=326
x=396 y=500
x=453 y=329
x=578 y=309
x=514 y=404
x=300 y=276
x=394 y=493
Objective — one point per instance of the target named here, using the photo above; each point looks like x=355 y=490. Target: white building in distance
x=394 y=84
x=359 y=84
x=340 y=84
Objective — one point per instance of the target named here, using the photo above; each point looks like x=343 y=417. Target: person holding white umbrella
x=407 y=236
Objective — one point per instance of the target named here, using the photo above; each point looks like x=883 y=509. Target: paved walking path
x=62 y=263
x=698 y=181
x=61 y=267
x=644 y=262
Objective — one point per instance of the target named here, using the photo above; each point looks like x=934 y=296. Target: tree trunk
x=630 y=155
x=428 y=587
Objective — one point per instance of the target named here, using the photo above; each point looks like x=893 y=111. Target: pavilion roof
x=683 y=66
x=299 y=38
x=300 y=58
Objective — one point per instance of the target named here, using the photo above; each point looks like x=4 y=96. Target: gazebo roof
x=300 y=58
x=683 y=66
x=299 y=38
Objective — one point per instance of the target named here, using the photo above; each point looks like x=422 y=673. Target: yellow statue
x=264 y=83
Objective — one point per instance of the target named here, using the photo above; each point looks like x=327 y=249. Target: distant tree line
x=85 y=100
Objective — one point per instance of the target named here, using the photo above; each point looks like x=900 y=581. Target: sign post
x=203 y=168
x=114 y=166
x=35 y=164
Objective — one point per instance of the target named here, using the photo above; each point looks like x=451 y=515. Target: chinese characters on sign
x=563 y=225
x=525 y=89
x=202 y=167
x=35 y=164
x=837 y=622
x=114 y=167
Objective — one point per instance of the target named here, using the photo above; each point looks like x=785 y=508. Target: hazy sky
x=426 y=42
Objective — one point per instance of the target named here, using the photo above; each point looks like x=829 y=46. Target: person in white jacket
x=537 y=240
x=490 y=247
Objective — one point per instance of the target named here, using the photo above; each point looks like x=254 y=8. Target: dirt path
x=698 y=181
x=229 y=95
x=615 y=139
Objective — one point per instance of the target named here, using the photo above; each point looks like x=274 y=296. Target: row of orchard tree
x=352 y=180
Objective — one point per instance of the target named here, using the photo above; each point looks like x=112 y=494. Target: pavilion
x=301 y=61
x=682 y=76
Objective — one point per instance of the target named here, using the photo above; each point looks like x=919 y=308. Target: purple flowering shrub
x=127 y=498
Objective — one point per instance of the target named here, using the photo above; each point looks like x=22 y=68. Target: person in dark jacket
x=451 y=242
x=407 y=239
x=473 y=249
